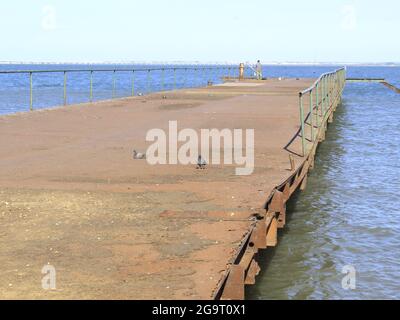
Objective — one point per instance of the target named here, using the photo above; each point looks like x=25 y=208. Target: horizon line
x=150 y=62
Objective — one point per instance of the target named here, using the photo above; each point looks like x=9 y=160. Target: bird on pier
x=201 y=163
x=138 y=155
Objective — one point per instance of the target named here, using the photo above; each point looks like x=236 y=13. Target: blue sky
x=200 y=30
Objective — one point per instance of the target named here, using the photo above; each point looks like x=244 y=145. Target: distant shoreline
x=366 y=64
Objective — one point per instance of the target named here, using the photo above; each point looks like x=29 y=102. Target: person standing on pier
x=259 y=70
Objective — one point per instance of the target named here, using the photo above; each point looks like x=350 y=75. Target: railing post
x=200 y=78
x=303 y=137
x=344 y=79
x=65 y=88
x=326 y=94
x=329 y=92
x=91 y=85
x=317 y=103
x=30 y=91
x=113 y=88
x=162 y=79
x=337 y=83
x=174 y=79
x=213 y=74
x=312 y=116
x=323 y=97
x=334 y=86
x=133 y=83
x=148 y=81
x=341 y=81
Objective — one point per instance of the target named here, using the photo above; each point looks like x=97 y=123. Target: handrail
x=116 y=70
x=328 y=89
x=90 y=71
x=319 y=80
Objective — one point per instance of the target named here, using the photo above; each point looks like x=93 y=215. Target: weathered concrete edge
x=263 y=233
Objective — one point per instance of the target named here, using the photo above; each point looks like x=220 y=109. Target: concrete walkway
x=114 y=228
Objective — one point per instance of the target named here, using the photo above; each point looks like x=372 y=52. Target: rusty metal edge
x=390 y=86
x=294 y=180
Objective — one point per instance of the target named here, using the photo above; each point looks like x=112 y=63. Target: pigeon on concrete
x=138 y=155
x=201 y=163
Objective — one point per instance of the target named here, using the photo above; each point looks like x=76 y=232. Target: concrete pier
x=71 y=195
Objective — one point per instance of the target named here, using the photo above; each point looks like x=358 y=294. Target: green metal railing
x=322 y=97
x=203 y=72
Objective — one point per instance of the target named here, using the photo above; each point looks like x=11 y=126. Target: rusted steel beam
x=247 y=258
x=322 y=136
x=391 y=87
x=277 y=203
x=219 y=291
x=312 y=162
x=296 y=184
x=234 y=287
x=282 y=219
x=286 y=192
x=272 y=234
x=259 y=234
x=304 y=184
x=292 y=163
x=252 y=273
x=330 y=120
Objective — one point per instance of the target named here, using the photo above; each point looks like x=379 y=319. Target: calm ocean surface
x=350 y=213
x=348 y=216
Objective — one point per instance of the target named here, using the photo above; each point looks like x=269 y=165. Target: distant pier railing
x=151 y=79
x=375 y=80
x=320 y=98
